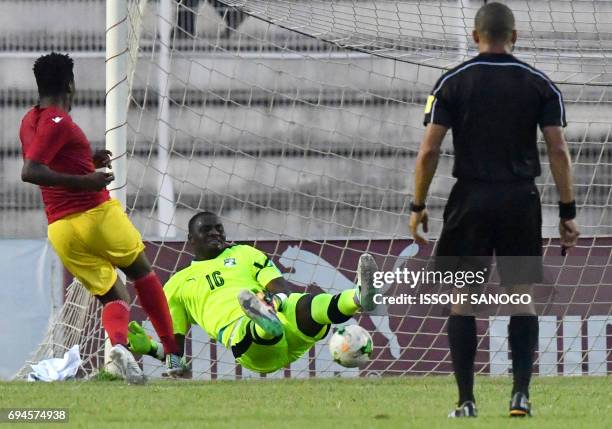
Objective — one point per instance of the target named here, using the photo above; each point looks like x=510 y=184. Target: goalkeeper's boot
x=261 y=312
x=365 y=281
x=127 y=365
x=176 y=366
x=467 y=409
x=520 y=405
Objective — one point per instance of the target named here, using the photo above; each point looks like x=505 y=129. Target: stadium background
x=293 y=138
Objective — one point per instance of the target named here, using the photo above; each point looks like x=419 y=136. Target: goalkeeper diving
x=240 y=299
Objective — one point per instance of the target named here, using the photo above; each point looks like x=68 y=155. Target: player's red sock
x=153 y=301
x=115 y=318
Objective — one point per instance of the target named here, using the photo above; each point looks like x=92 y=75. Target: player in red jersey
x=89 y=231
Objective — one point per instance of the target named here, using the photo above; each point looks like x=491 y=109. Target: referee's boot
x=467 y=409
x=261 y=312
x=365 y=281
x=520 y=405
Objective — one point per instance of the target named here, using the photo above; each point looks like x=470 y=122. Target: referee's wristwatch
x=417 y=207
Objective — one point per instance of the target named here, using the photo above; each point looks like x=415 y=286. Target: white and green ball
x=351 y=346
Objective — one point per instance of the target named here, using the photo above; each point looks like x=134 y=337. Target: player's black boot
x=467 y=409
x=520 y=405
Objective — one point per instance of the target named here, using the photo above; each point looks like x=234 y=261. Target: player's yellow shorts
x=92 y=243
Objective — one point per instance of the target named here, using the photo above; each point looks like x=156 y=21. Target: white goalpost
x=298 y=122
x=117 y=90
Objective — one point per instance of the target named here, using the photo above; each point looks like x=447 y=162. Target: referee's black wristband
x=417 y=207
x=567 y=211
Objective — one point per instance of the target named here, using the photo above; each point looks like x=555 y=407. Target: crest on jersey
x=229 y=262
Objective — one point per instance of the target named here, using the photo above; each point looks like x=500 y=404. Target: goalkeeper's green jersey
x=206 y=292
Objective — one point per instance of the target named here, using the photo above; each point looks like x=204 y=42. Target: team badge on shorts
x=229 y=262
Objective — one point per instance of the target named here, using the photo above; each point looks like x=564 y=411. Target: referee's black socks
x=462 y=340
x=523 y=334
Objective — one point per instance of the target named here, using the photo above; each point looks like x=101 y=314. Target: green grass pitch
x=402 y=402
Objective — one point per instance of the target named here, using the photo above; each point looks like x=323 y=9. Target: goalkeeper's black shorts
x=482 y=219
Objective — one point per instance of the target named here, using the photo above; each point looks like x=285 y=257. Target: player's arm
x=427 y=161
x=561 y=168
x=267 y=274
x=425 y=168
x=552 y=120
x=39 y=174
x=560 y=162
x=50 y=138
x=279 y=285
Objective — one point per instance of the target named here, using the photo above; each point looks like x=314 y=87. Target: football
x=351 y=346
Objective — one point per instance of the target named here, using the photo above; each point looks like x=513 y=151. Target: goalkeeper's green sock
x=258 y=332
x=327 y=309
x=321 y=309
x=314 y=313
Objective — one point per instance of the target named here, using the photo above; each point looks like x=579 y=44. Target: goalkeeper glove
x=139 y=342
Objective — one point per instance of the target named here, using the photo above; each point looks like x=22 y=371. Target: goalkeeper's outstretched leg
x=322 y=309
x=300 y=320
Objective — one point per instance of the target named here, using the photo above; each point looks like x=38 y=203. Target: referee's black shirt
x=494 y=104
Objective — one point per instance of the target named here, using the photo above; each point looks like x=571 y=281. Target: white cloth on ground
x=57 y=369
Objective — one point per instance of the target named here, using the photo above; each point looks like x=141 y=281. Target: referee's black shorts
x=482 y=219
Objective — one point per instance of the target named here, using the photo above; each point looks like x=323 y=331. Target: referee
x=494 y=104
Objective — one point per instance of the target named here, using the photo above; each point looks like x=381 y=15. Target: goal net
x=298 y=122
